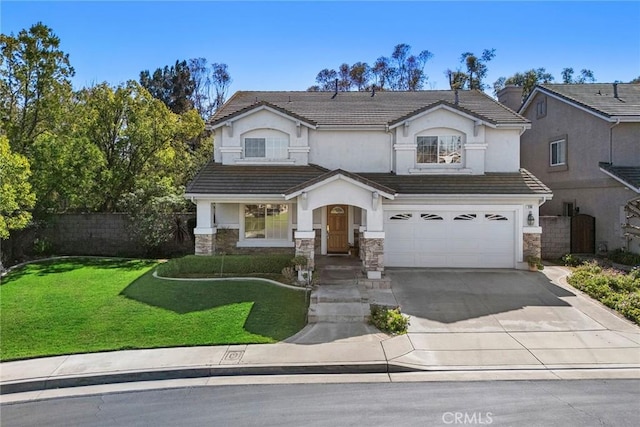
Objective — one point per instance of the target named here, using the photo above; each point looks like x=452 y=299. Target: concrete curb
x=38 y=384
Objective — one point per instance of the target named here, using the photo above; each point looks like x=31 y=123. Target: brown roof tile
x=599 y=97
x=360 y=108
x=216 y=178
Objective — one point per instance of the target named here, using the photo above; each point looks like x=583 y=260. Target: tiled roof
x=216 y=178
x=626 y=174
x=599 y=97
x=354 y=176
x=522 y=182
x=360 y=108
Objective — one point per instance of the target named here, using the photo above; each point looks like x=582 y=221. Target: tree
x=409 y=69
x=138 y=136
x=35 y=81
x=401 y=71
x=359 y=75
x=66 y=169
x=172 y=85
x=152 y=210
x=586 y=76
x=326 y=79
x=16 y=195
x=636 y=80
x=527 y=80
x=344 y=78
x=221 y=80
x=476 y=70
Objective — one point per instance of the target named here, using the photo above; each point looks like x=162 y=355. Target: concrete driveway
x=508 y=319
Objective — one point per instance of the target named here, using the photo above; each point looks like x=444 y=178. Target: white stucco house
x=404 y=179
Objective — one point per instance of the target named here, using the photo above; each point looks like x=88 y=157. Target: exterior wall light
x=530 y=219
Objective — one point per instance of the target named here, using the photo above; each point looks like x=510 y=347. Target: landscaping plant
x=389 y=320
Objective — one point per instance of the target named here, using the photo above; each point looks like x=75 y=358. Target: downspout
x=611 y=140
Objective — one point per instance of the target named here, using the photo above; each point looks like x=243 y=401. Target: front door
x=337 y=229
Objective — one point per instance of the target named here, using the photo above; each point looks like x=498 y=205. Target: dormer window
x=266 y=148
x=441 y=149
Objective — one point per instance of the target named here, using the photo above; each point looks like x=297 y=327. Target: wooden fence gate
x=583 y=234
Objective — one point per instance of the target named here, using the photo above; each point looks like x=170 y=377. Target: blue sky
x=283 y=45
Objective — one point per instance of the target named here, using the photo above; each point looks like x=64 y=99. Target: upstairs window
x=445 y=149
x=266 y=148
x=558 y=152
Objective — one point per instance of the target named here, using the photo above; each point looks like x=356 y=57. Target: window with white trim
x=266 y=148
x=443 y=149
x=268 y=221
x=558 y=152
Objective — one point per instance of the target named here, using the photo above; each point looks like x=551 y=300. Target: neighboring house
x=407 y=179
x=584 y=143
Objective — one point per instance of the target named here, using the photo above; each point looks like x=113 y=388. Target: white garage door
x=474 y=239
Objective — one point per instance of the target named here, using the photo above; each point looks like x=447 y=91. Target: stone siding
x=306 y=247
x=556 y=236
x=205 y=244
x=531 y=245
x=227 y=242
x=372 y=254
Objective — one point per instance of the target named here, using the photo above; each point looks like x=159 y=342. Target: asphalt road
x=513 y=403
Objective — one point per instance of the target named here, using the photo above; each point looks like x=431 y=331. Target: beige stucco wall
x=581 y=182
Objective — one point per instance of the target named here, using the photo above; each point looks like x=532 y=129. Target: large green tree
x=16 y=196
x=138 y=138
x=34 y=84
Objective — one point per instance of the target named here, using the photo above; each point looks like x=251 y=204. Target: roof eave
x=225 y=121
x=620 y=180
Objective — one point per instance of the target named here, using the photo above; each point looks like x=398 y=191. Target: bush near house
x=624 y=257
x=224 y=265
x=613 y=288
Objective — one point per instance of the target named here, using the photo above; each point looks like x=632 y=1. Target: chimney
x=336 y=90
x=511 y=96
x=456 y=97
x=615 y=90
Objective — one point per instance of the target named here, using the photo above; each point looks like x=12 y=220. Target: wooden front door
x=337 y=229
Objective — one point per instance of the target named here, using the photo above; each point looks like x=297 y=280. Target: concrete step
x=338 y=312
x=336 y=293
x=382 y=297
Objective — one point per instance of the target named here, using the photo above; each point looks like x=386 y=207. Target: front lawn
x=80 y=306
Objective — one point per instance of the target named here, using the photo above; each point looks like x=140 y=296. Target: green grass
x=80 y=306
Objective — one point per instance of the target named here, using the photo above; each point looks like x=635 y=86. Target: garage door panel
x=460 y=239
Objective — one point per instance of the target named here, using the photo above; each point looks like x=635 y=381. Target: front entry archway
x=337 y=229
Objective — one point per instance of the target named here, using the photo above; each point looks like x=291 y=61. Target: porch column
x=372 y=241
x=205 y=231
x=305 y=236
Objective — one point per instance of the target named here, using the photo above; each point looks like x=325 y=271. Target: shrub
x=290 y=275
x=217 y=265
x=571 y=260
x=389 y=319
x=621 y=256
x=613 y=288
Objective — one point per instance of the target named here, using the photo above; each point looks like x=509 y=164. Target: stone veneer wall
x=306 y=247
x=556 y=236
x=226 y=241
x=531 y=245
x=372 y=254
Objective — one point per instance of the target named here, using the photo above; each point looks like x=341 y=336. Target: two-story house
x=584 y=143
x=413 y=179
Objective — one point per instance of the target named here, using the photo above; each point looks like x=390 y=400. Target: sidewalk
x=612 y=351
